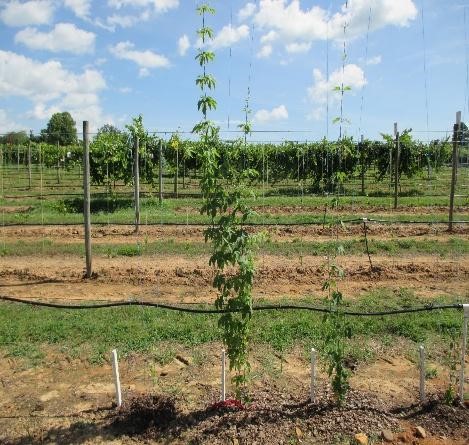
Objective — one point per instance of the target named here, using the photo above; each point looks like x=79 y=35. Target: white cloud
x=81 y=8
x=270 y=37
x=322 y=89
x=246 y=11
x=298 y=47
x=64 y=37
x=125 y=90
x=6 y=124
x=276 y=114
x=52 y=88
x=295 y=25
x=143 y=72
x=376 y=60
x=264 y=52
x=229 y=35
x=144 y=59
x=34 y=12
x=157 y=5
x=183 y=45
x=124 y=21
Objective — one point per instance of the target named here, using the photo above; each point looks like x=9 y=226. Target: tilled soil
x=125 y=234
x=173 y=278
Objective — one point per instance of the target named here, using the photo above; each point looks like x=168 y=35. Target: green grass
x=167 y=214
x=118 y=208
x=454 y=246
x=26 y=330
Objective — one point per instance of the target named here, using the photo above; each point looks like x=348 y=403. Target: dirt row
x=115 y=234
x=179 y=279
x=341 y=209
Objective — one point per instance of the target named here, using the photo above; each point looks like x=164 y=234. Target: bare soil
x=72 y=402
x=177 y=279
x=187 y=233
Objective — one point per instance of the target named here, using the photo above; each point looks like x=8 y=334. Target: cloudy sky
x=108 y=60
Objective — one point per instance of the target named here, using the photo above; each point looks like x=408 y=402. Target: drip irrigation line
x=268 y=307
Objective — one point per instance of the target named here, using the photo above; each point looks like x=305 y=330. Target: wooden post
x=29 y=160
x=456 y=130
x=136 y=185
x=176 y=174
x=86 y=195
x=161 y=169
x=362 y=154
x=396 y=166
x=58 y=162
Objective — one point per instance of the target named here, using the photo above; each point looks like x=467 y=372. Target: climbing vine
x=232 y=255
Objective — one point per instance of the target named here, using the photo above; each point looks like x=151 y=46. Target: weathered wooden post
x=396 y=165
x=454 y=173
x=160 y=147
x=29 y=159
x=362 y=157
x=86 y=197
x=176 y=174
x=136 y=184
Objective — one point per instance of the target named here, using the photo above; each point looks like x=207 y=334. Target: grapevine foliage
x=232 y=255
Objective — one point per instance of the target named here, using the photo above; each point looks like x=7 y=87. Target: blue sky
x=108 y=60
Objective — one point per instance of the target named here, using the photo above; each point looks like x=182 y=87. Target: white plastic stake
x=463 y=351
x=117 y=382
x=422 y=373
x=223 y=372
x=313 y=374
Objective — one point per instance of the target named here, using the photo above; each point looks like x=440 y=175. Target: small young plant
x=232 y=256
x=337 y=330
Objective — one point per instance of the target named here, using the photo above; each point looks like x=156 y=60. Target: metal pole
x=456 y=130
x=136 y=185
x=86 y=197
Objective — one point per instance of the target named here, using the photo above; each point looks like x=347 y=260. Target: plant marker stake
x=117 y=382
x=422 y=373
x=223 y=371
x=313 y=373
x=463 y=351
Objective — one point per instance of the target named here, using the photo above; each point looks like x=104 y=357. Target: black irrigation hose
x=270 y=307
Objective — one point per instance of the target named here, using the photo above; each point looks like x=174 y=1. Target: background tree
x=60 y=128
